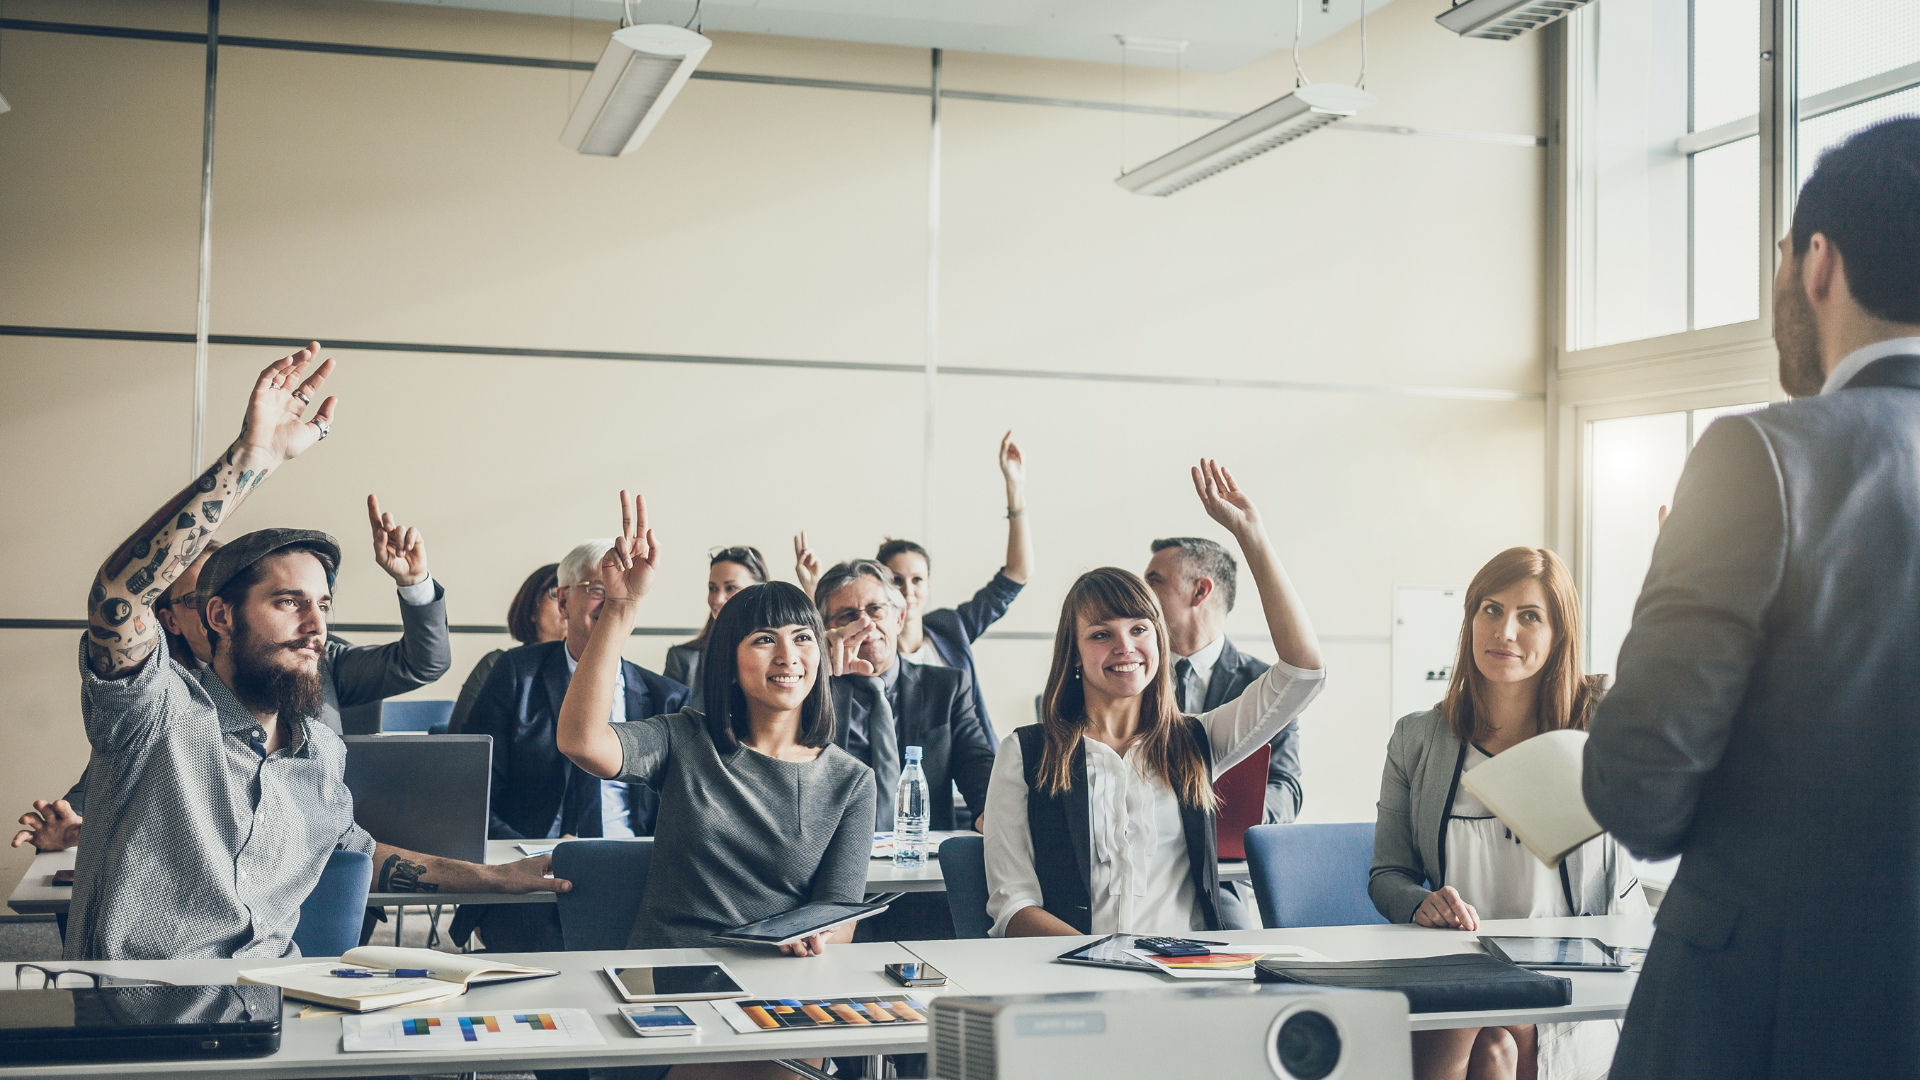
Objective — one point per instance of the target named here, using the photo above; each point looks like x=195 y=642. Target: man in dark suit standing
x=537 y=792
x=1763 y=722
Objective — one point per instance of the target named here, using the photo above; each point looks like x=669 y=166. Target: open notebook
x=448 y=975
x=1534 y=789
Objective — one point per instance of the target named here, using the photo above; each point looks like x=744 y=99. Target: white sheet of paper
x=479 y=1029
x=1265 y=952
x=537 y=847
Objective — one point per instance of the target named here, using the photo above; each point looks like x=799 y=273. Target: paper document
x=1222 y=965
x=470 y=1031
x=369 y=985
x=537 y=847
x=776 y=1014
x=1534 y=789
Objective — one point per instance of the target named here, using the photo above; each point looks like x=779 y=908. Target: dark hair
x=1566 y=696
x=1203 y=558
x=234 y=592
x=900 y=547
x=744 y=556
x=1167 y=744
x=760 y=607
x=523 y=614
x=1864 y=197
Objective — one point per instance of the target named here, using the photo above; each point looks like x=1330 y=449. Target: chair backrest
x=331 y=915
x=414 y=715
x=609 y=878
x=1312 y=875
x=1243 y=803
x=963 y=864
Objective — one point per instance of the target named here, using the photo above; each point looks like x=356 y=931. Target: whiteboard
x=1426 y=641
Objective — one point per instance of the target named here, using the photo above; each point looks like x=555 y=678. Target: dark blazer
x=1765 y=724
x=954 y=630
x=1232 y=673
x=938 y=716
x=519 y=707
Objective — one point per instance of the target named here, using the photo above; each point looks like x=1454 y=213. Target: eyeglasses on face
x=875 y=611
x=594 y=589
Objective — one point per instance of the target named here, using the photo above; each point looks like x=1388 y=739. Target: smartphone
x=916 y=975
x=654 y=1020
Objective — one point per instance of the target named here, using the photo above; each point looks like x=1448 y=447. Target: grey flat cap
x=236 y=556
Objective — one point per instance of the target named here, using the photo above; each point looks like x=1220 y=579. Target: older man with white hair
x=537 y=792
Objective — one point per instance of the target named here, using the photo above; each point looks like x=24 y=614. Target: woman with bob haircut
x=1441 y=859
x=759 y=811
x=1100 y=817
x=729 y=571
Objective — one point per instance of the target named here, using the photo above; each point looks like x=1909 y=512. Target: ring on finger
x=305 y=398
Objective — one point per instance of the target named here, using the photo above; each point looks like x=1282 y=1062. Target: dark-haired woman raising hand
x=1114 y=761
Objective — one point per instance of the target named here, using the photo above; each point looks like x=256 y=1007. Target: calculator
x=1172 y=946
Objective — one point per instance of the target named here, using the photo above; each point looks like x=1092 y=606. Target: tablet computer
x=1555 y=953
x=1110 y=951
x=798 y=923
x=675 y=982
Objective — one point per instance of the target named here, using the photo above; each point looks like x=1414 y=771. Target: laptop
x=425 y=793
x=1243 y=803
x=138 y=1023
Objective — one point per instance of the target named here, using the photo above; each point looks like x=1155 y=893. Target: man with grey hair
x=1195 y=581
x=886 y=703
x=537 y=792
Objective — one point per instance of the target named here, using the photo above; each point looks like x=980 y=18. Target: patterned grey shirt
x=195 y=845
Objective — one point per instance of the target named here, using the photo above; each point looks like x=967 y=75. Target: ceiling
x=1201 y=35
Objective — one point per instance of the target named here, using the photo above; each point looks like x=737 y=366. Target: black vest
x=1062 y=831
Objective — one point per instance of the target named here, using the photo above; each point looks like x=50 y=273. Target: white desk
x=311 y=1046
x=1022 y=965
x=36 y=893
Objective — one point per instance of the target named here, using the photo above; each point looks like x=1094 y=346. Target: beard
x=1802 y=373
x=260 y=683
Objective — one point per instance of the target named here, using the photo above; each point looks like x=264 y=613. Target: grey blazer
x=1765 y=724
x=1409 y=832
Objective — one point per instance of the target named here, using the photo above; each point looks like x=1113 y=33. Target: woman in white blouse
x=1100 y=818
x=1441 y=859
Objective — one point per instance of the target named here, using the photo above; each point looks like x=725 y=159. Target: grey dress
x=742 y=836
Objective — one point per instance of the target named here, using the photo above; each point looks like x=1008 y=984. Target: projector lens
x=1308 y=1045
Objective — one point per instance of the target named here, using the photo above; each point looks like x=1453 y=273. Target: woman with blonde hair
x=1100 y=817
x=1441 y=859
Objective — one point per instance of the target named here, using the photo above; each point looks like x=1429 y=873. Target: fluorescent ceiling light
x=1306 y=109
x=637 y=77
x=1503 y=20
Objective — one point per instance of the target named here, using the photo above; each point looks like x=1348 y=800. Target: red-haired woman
x=1442 y=859
x=1100 y=817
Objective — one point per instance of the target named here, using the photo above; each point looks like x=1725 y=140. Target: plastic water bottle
x=910 y=814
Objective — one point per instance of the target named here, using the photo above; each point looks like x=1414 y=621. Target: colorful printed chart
x=773 y=1014
x=453 y=1031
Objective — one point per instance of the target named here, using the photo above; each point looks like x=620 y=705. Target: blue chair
x=1312 y=875
x=415 y=715
x=331 y=915
x=963 y=863
x=609 y=877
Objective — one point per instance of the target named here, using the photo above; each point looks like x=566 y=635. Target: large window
x=1859 y=65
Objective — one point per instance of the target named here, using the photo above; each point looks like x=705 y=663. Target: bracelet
x=1016 y=515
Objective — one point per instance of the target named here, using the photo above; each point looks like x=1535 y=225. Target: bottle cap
x=913 y=753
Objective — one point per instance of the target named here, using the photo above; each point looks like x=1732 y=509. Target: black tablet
x=798 y=923
x=1555 y=953
x=1109 y=951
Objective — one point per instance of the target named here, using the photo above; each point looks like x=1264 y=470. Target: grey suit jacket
x=1233 y=672
x=1409 y=832
x=937 y=715
x=1765 y=724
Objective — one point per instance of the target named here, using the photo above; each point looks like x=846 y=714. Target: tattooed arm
x=402 y=871
x=121 y=626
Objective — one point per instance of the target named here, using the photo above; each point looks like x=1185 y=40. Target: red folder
x=1243 y=803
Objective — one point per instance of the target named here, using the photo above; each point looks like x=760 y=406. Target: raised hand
x=1223 y=499
x=1013 y=465
x=626 y=572
x=843 y=648
x=280 y=398
x=402 y=553
x=50 y=826
x=806 y=566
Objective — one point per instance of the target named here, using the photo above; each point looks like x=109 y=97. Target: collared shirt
x=196 y=845
x=1203 y=661
x=926 y=655
x=616 y=816
x=1845 y=370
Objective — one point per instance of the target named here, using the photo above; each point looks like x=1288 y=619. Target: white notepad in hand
x=1534 y=789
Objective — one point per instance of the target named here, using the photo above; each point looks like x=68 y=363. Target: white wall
x=419 y=201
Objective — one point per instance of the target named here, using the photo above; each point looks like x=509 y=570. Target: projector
x=1239 y=1032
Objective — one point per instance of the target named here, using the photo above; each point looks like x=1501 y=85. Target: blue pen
x=397 y=973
